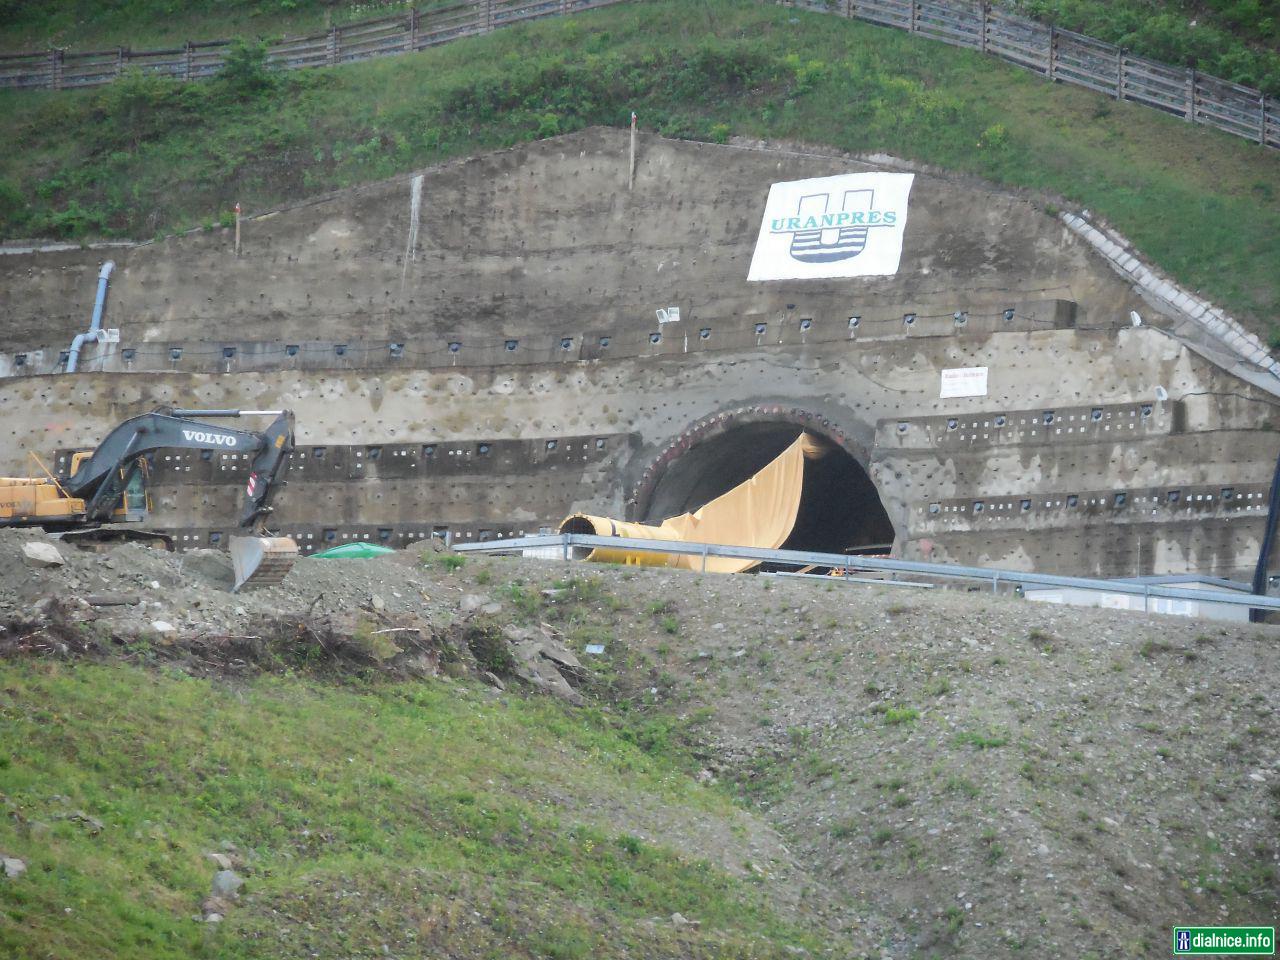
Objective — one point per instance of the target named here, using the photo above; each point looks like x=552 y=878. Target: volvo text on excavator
x=106 y=488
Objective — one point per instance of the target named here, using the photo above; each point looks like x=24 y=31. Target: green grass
x=896 y=716
x=983 y=740
x=1236 y=40
x=150 y=156
x=96 y=24
x=423 y=816
x=1233 y=39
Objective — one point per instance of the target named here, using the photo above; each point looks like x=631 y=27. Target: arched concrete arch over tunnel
x=840 y=507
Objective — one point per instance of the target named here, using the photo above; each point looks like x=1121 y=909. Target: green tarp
x=353 y=551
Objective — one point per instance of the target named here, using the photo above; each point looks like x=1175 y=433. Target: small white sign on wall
x=963 y=382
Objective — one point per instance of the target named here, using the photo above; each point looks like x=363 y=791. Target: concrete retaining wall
x=523 y=321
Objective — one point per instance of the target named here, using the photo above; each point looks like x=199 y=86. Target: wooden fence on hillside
x=1064 y=57
x=404 y=32
x=1057 y=55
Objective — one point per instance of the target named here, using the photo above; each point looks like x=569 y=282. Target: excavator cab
x=135 y=502
x=134 y=505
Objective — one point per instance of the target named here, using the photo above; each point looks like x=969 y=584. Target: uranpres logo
x=847 y=226
x=821 y=233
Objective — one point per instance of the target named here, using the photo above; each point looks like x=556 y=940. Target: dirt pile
x=402 y=615
x=955 y=774
x=979 y=776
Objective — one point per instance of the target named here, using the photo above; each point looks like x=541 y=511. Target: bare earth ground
x=932 y=773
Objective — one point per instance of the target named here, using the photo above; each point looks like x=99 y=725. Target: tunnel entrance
x=840 y=509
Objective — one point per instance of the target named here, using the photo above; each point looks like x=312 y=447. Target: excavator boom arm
x=100 y=479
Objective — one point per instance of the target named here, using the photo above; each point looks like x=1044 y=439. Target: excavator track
x=103 y=538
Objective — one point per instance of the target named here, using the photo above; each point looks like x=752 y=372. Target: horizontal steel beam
x=800 y=558
x=847 y=579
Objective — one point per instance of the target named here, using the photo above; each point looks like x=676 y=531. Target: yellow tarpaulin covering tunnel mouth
x=759 y=512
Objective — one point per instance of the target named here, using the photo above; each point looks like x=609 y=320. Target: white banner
x=846 y=226
x=963 y=382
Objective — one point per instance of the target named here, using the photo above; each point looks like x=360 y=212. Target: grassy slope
x=1204 y=206
x=914 y=751
x=1234 y=39
x=102 y=24
x=1237 y=40
x=415 y=816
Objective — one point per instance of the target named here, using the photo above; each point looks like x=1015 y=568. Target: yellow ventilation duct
x=759 y=512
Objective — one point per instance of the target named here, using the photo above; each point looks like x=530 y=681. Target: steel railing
x=568 y=543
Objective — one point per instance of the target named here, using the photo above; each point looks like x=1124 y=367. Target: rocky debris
x=225 y=889
x=544 y=677
x=94 y=825
x=540 y=658
x=978 y=772
x=390 y=615
x=129 y=585
x=39 y=553
x=13 y=867
x=112 y=600
x=227 y=884
x=1013 y=769
x=560 y=655
x=214 y=909
x=471 y=602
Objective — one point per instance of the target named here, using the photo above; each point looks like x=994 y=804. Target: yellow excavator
x=106 y=488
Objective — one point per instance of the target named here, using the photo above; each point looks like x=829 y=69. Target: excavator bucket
x=261 y=561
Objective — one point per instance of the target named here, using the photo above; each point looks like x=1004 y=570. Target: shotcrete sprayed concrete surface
x=476 y=352
x=480 y=349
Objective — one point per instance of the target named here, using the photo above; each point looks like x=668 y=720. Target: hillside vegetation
x=1237 y=40
x=1233 y=39
x=147 y=156
x=759 y=767
x=417 y=815
x=94 y=24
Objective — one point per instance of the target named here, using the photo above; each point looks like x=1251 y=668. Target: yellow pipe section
x=759 y=512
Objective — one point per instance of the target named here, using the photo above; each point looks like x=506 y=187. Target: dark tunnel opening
x=840 y=508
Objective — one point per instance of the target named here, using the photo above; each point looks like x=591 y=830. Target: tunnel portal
x=840 y=508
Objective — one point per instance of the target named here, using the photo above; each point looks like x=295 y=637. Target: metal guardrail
x=567 y=542
x=1057 y=55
